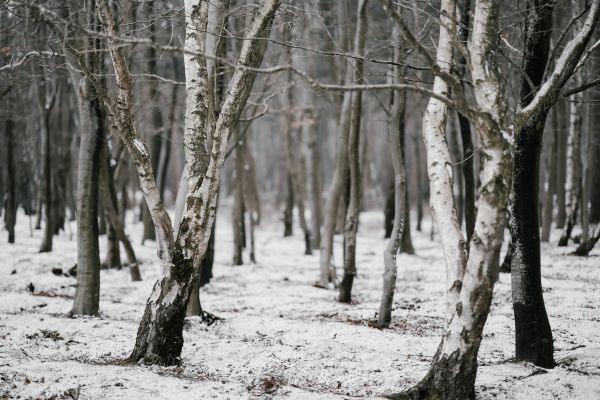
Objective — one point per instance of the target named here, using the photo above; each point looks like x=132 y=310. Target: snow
x=281 y=337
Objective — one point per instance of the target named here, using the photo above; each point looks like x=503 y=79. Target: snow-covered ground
x=280 y=337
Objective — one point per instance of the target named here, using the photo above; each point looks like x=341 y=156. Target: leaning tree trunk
x=532 y=328
x=391 y=251
x=108 y=198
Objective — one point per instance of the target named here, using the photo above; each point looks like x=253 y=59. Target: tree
x=391 y=250
x=532 y=328
x=159 y=339
x=471 y=278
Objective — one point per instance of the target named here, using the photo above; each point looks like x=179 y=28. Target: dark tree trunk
x=389 y=211
x=466 y=135
x=419 y=174
x=237 y=217
x=468 y=176
x=532 y=328
x=206 y=269
x=288 y=213
x=10 y=216
x=112 y=259
x=47 y=187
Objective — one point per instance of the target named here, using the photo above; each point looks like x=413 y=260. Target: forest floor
x=280 y=337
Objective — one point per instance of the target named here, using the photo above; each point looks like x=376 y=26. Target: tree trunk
x=338 y=183
x=10 y=216
x=288 y=213
x=573 y=183
x=548 y=210
x=561 y=164
x=315 y=179
x=159 y=338
x=108 y=198
x=46 y=245
x=389 y=212
x=87 y=295
x=352 y=214
x=419 y=174
x=238 y=206
x=532 y=328
x=468 y=176
x=391 y=250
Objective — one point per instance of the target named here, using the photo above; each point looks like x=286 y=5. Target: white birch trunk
x=439 y=168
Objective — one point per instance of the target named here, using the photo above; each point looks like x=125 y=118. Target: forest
x=311 y=199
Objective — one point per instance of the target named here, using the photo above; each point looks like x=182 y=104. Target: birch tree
x=391 y=250
x=470 y=279
x=159 y=339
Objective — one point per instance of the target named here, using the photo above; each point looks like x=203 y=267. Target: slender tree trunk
x=108 y=198
x=419 y=173
x=352 y=214
x=10 y=217
x=238 y=206
x=391 y=251
x=315 y=179
x=389 y=209
x=561 y=164
x=468 y=176
x=548 y=210
x=288 y=213
x=46 y=245
x=573 y=183
x=337 y=186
